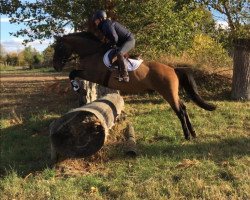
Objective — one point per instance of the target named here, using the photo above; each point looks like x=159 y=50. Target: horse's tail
x=187 y=81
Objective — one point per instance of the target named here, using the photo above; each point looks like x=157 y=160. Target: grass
x=213 y=166
x=24 y=70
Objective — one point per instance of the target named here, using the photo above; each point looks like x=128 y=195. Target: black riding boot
x=123 y=68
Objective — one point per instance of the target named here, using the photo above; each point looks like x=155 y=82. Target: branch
x=229 y=17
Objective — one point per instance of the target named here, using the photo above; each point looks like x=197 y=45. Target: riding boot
x=123 y=69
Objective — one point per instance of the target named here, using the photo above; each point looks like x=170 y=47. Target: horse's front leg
x=77 y=86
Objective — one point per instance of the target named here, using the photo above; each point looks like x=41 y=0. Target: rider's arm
x=111 y=34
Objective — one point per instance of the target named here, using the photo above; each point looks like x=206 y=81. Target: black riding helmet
x=100 y=14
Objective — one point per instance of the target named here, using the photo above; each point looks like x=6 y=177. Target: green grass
x=219 y=158
x=213 y=166
x=25 y=70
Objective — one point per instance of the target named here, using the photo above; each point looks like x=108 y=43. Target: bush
x=160 y=27
x=207 y=52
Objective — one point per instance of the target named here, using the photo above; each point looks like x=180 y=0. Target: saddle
x=112 y=56
x=110 y=60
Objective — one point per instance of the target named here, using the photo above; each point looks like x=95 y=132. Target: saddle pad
x=131 y=63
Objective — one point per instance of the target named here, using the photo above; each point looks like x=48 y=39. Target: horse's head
x=62 y=52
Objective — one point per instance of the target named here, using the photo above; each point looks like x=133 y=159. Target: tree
x=12 y=59
x=37 y=59
x=237 y=14
x=164 y=26
x=28 y=54
x=48 y=56
x=241 y=73
x=32 y=57
x=46 y=18
x=159 y=26
x=2 y=54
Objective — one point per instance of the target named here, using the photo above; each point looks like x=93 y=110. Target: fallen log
x=82 y=131
x=130 y=142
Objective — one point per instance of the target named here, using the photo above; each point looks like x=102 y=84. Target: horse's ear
x=57 y=38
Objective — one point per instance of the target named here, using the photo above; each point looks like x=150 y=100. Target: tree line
x=27 y=57
x=160 y=26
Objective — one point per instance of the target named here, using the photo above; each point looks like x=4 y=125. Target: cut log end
x=81 y=136
x=130 y=142
x=82 y=131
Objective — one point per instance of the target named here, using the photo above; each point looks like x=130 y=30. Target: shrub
x=207 y=52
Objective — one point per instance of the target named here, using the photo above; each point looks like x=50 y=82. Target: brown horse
x=149 y=76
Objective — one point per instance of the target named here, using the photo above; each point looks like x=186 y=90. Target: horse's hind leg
x=169 y=88
x=189 y=125
x=181 y=115
x=173 y=99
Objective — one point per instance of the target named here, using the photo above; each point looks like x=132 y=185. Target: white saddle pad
x=131 y=63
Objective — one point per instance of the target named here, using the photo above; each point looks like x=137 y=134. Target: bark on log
x=130 y=142
x=241 y=73
x=82 y=131
x=89 y=92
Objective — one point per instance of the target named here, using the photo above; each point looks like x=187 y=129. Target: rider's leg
x=123 y=69
x=125 y=48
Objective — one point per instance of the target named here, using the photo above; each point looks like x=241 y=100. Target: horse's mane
x=84 y=34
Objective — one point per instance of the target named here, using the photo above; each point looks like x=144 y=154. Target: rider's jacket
x=116 y=33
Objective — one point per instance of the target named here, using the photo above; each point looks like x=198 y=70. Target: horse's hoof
x=187 y=137
x=193 y=134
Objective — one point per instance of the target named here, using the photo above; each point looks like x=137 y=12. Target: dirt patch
x=24 y=96
x=31 y=78
x=29 y=94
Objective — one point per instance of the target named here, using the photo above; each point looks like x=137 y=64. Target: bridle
x=64 y=59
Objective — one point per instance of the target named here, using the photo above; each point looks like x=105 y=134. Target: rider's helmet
x=100 y=14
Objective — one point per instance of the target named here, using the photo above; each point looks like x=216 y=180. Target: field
x=213 y=166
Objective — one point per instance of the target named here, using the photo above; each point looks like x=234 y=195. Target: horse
x=150 y=75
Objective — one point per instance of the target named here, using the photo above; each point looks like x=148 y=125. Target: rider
x=118 y=36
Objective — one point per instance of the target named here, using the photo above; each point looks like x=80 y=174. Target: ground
x=213 y=166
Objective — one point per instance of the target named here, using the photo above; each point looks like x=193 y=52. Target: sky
x=14 y=44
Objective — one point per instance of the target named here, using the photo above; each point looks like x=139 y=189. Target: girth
x=106 y=78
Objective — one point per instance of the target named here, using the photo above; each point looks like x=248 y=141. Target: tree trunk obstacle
x=241 y=72
x=82 y=131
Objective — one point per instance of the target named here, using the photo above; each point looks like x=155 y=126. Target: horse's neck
x=91 y=63
x=84 y=47
x=93 y=68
